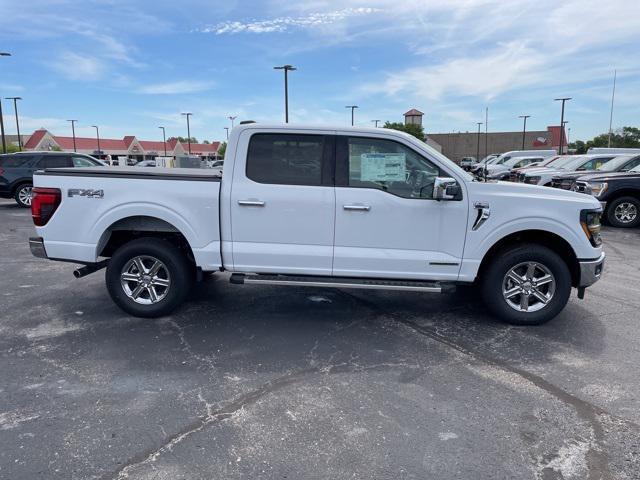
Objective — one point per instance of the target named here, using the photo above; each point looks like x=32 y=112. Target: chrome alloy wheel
x=25 y=194
x=626 y=212
x=528 y=287
x=145 y=280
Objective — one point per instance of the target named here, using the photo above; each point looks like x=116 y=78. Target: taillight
x=44 y=202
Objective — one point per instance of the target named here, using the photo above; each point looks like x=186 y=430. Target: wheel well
x=624 y=193
x=547 y=239
x=131 y=228
x=18 y=184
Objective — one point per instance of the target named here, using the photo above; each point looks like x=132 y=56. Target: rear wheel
x=624 y=212
x=23 y=195
x=526 y=285
x=148 y=277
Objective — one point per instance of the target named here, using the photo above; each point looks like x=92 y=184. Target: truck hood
x=574 y=175
x=600 y=177
x=532 y=193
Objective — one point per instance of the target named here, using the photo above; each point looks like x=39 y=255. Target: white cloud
x=283 y=24
x=75 y=66
x=172 y=88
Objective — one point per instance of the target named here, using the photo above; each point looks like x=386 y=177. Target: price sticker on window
x=383 y=167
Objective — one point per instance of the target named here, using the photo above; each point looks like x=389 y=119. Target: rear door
x=54 y=161
x=283 y=203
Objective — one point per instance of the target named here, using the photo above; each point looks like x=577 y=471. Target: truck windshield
x=615 y=164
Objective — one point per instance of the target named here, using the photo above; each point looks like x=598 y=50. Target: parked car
x=514 y=153
x=16 y=171
x=575 y=163
x=502 y=171
x=618 y=193
x=621 y=163
x=146 y=163
x=616 y=150
x=468 y=162
x=323 y=207
x=517 y=174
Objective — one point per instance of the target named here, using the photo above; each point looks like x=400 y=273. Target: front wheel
x=526 y=285
x=148 y=277
x=23 y=195
x=624 y=212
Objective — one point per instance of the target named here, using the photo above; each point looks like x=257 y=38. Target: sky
x=130 y=66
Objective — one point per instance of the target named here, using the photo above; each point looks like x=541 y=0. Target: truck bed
x=198 y=174
x=96 y=201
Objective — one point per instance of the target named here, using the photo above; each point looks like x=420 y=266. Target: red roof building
x=128 y=146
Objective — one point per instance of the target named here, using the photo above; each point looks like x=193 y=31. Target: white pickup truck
x=321 y=207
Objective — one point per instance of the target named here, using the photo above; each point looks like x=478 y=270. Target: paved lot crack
x=597 y=458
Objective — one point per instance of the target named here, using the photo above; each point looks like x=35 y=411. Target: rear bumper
x=591 y=271
x=36 y=244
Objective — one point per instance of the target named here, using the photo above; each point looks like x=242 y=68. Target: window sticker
x=383 y=167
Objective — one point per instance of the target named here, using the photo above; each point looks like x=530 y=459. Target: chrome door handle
x=364 y=208
x=251 y=203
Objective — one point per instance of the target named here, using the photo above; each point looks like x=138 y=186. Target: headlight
x=597 y=188
x=590 y=222
x=532 y=180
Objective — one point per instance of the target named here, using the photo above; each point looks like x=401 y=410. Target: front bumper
x=591 y=271
x=36 y=244
x=603 y=205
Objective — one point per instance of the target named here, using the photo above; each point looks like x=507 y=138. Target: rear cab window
x=289 y=159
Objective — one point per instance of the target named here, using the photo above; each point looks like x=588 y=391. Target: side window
x=15 y=161
x=286 y=159
x=632 y=164
x=389 y=166
x=82 y=162
x=54 y=161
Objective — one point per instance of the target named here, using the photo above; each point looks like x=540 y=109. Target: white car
x=321 y=207
x=574 y=163
x=501 y=171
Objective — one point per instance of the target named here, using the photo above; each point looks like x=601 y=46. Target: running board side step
x=343 y=282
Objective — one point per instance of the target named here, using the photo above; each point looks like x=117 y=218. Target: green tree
x=206 y=142
x=625 y=137
x=579 y=146
x=222 y=149
x=183 y=139
x=411 y=128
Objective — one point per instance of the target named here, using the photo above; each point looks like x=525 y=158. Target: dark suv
x=16 y=171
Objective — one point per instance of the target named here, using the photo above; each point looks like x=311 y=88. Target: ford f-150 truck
x=321 y=207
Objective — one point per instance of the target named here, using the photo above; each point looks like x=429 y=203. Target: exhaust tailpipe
x=90 y=268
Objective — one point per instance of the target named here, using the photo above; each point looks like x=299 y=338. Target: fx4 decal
x=81 y=192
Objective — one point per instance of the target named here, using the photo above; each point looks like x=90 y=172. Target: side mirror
x=446 y=188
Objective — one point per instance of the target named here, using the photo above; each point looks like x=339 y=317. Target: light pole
x=352 y=107
x=164 y=140
x=524 y=127
x=478 y=147
x=287 y=69
x=188 y=114
x=15 y=109
x=376 y=122
x=563 y=100
x=227 y=129
x=98 y=138
x=232 y=119
x=563 y=124
x=4 y=140
x=73 y=132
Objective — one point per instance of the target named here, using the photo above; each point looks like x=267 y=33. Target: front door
x=283 y=203
x=387 y=223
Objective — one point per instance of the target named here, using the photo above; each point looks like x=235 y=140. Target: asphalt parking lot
x=265 y=382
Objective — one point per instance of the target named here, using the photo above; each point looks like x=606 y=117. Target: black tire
x=624 y=212
x=494 y=279
x=175 y=267
x=22 y=195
